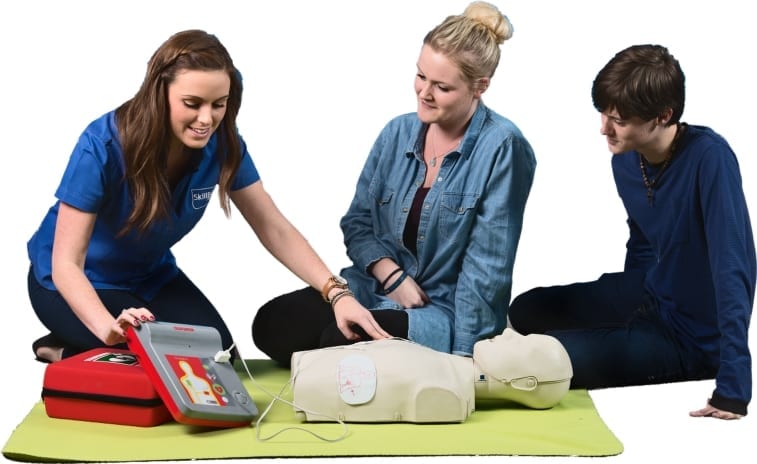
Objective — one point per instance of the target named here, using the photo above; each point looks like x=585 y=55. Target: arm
x=72 y=233
x=291 y=249
x=730 y=246
x=359 y=226
x=485 y=281
x=639 y=253
x=369 y=226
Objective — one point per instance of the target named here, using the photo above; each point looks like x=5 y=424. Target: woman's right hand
x=348 y=311
x=409 y=294
x=129 y=317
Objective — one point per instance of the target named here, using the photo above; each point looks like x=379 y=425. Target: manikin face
x=534 y=370
x=512 y=355
x=197 y=102
x=628 y=134
x=510 y=342
x=444 y=97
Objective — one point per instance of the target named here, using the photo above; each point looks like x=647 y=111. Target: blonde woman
x=436 y=217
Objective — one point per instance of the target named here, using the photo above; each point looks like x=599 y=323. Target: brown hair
x=471 y=40
x=145 y=133
x=641 y=81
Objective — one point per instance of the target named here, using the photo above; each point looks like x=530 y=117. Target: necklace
x=650 y=185
x=432 y=160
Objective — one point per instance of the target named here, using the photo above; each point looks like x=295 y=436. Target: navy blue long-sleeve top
x=695 y=242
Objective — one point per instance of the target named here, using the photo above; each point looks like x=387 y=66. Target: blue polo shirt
x=94 y=182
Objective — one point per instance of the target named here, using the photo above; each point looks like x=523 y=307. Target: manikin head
x=533 y=370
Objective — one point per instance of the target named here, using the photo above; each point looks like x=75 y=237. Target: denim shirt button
x=404 y=210
x=421 y=237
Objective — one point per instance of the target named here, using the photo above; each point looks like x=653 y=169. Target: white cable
x=278 y=397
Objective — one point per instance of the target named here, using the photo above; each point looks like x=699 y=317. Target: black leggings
x=301 y=321
x=178 y=301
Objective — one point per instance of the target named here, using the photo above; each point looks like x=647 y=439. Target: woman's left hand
x=409 y=294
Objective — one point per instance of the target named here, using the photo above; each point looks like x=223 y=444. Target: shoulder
x=399 y=134
x=490 y=129
x=102 y=131
x=703 y=146
x=99 y=142
x=496 y=123
x=703 y=137
x=491 y=132
x=407 y=122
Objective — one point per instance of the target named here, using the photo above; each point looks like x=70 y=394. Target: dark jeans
x=301 y=321
x=612 y=332
x=179 y=301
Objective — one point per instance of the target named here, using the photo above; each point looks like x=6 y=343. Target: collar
x=475 y=126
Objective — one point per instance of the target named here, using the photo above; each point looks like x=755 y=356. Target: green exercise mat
x=572 y=428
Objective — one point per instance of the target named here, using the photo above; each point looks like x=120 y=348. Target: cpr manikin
x=395 y=380
x=533 y=370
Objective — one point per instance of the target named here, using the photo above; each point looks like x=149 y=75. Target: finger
x=700 y=413
x=143 y=314
x=373 y=329
x=348 y=333
x=725 y=415
x=126 y=318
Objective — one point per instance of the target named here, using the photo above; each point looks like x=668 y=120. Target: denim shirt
x=469 y=227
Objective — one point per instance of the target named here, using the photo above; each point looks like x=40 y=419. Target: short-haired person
x=681 y=308
x=434 y=224
x=139 y=179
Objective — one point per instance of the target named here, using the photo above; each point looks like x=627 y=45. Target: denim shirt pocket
x=380 y=192
x=456 y=215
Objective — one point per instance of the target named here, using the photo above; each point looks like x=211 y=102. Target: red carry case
x=102 y=385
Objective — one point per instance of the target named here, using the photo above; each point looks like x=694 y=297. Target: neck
x=443 y=137
x=661 y=148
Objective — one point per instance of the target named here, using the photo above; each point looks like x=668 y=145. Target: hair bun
x=490 y=16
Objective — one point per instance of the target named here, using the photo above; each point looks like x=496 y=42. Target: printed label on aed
x=198 y=382
x=356 y=379
x=115 y=358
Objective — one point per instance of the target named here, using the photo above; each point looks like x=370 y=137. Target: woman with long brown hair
x=139 y=179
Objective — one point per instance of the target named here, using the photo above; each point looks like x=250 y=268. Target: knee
x=520 y=311
x=264 y=320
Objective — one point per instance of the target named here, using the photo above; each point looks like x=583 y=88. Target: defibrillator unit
x=197 y=389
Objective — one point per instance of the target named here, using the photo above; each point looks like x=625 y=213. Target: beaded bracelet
x=386 y=281
x=396 y=283
x=339 y=295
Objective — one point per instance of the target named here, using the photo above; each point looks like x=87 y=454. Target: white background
x=321 y=80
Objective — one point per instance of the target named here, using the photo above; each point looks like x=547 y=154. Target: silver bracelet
x=339 y=295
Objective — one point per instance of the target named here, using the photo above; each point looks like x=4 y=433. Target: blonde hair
x=471 y=40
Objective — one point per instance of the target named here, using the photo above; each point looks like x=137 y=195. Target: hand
x=128 y=317
x=349 y=311
x=409 y=294
x=711 y=411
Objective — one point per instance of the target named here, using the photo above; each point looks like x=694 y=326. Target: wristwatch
x=334 y=281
